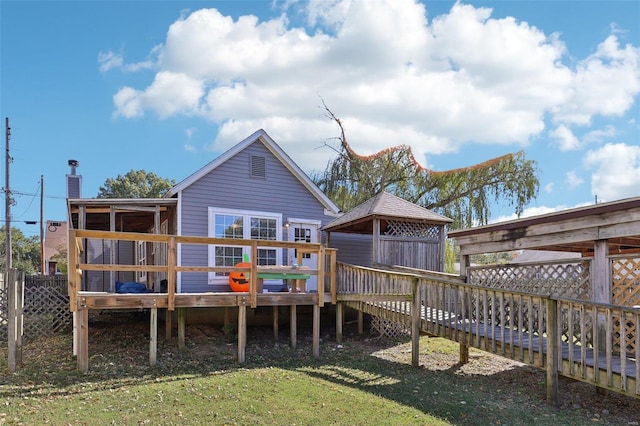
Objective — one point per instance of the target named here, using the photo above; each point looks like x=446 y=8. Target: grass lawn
x=363 y=381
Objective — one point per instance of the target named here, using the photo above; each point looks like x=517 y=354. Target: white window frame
x=246 y=215
x=141 y=260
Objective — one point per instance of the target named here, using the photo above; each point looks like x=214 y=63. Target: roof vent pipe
x=73 y=164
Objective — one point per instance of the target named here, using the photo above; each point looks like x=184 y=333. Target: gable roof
x=274 y=148
x=383 y=206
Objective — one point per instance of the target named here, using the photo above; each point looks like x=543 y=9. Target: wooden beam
x=153 y=336
x=242 y=332
x=552 y=352
x=293 y=332
x=182 y=320
x=316 y=331
x=416 y=316
x=83 y=340
x=275 y=323
x=339 y=321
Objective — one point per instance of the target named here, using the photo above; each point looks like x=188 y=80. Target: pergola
x=599 y=231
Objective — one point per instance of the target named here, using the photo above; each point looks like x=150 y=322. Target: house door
x=305 y=232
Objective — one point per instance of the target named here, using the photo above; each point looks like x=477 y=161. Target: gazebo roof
x=383 y=206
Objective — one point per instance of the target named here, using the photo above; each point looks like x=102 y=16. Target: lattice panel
x=569 y=280
x=397 y=228
x=629 y=333
x=575 y=332
x=45 y=312
x=388 y=328
x=626 y=281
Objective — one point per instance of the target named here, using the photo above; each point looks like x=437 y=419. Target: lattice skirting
x=387 y=328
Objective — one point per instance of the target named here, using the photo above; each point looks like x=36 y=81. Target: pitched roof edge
x=276 y=150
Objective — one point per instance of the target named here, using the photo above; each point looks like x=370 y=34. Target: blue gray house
x=254 y=190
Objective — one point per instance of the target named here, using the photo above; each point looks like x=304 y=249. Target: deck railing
x=575 y=338
x=170 y=268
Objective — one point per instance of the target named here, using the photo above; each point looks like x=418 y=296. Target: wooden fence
x=43 y=304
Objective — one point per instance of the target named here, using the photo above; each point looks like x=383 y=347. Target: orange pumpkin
x=238 y=280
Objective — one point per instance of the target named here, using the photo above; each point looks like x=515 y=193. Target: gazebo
x=389 y=230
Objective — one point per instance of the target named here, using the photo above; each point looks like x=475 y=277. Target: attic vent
x=257 y=166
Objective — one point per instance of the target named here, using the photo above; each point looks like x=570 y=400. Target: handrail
x=171 y=268
x=600 y=342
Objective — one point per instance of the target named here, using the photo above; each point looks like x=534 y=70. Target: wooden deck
x=529 y=328
x=81 y=302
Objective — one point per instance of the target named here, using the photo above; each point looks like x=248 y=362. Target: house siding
x=354 y=249
x=230 y=186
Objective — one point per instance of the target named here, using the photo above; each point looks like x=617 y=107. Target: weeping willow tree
x=465 y=194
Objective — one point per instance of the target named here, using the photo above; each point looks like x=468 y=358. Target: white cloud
x=616 y=171
x=567 y=141
x=109 y=60
x=605 y=83
x=573 y=180
x=391 y=75
x=548 y=188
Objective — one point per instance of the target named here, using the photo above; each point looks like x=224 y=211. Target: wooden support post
x=293 y=332
x=19 y=282
x=242 y=332
x=153 y=336
x=316 y=330
x=275 y=323
x=182 y=319
x=416 y=314
x=464 y=353
x=12 y=293
x=167 y=324
x=83 y=340
x=601 y=283
x=339 y=321
x=552 y=352
x=464 y=346
x=360 y=322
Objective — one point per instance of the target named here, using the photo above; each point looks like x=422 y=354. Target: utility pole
x=7 y=197
x=43 y=268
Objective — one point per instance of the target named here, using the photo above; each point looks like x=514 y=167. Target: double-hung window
x=233 y=224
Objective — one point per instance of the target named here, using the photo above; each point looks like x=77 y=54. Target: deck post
x=601 y=285
x=293 y=326
x=83 y=340
x=552 y=352
x=167 y=324
x=415 y=322
x=360 y=321
x=316 y=330
x=339 y=322
x=153 y=336
x=242 y=332
x=275 y=323
x=182 y=319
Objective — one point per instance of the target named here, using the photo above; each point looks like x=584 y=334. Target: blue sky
x=166 y=86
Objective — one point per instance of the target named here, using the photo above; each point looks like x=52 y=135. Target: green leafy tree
x=465 y=195
x=61 y=258
x=136 y=184
x=25 y=251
